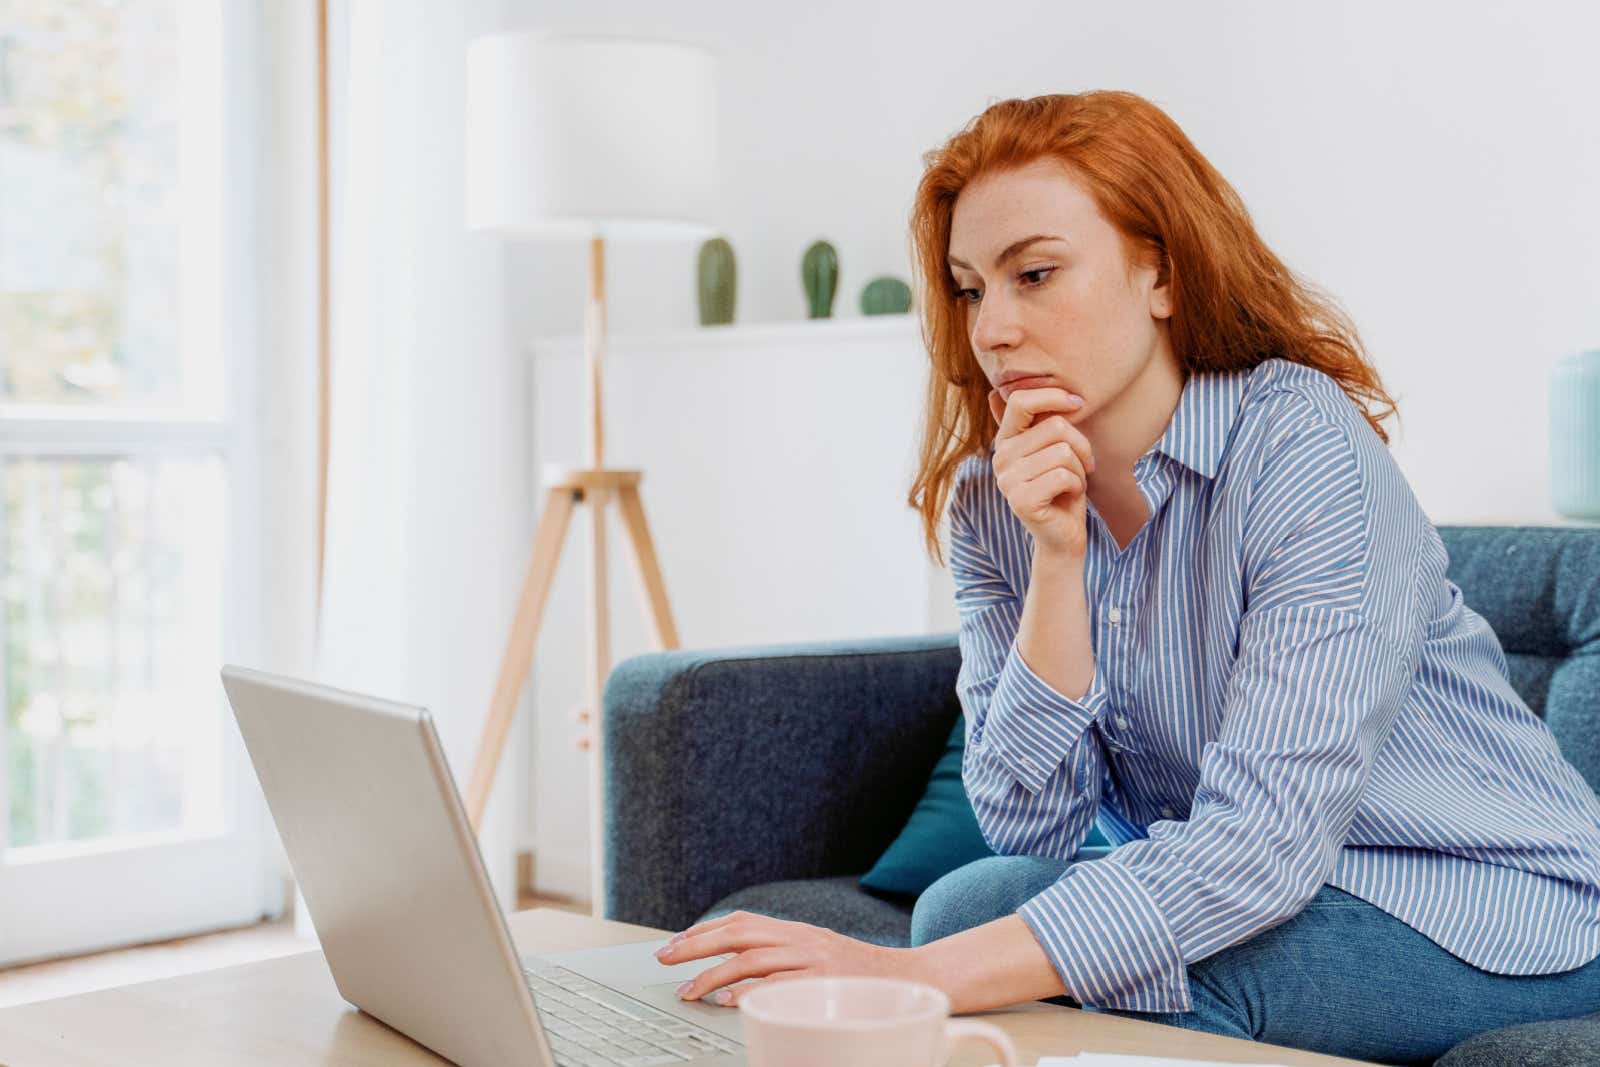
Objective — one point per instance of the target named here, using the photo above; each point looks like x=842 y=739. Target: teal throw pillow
x=942 y=833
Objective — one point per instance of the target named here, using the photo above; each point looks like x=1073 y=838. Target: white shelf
x=736 y=335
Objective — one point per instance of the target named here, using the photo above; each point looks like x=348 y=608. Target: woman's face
x=1069 y=310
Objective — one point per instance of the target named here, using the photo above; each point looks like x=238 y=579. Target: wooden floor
x=164 y=959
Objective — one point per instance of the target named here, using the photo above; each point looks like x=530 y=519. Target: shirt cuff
x=1108 y=941
x=1030 y=728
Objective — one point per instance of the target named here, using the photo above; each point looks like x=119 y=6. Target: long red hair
x=1234 y=303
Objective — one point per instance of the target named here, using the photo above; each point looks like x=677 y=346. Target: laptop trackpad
x=715 y=1017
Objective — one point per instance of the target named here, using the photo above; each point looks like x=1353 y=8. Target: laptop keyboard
x=589 y=1025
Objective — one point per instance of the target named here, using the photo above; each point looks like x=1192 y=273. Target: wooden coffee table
x=287 y=1011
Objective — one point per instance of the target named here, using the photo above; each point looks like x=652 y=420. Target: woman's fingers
x=796 y=948
x=1043 y=490
x=732 y=933
x=715 y=943
x=997 y=406
x=1047 y=431
x=730 y=997
x=709 y=924
x=1018 y=477
x=1055 y=427
x=757 y=963
x=1056 y=454
x=1027 y=405
x=721 y=921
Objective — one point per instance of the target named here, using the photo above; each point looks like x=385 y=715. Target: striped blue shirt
x=1288 y=692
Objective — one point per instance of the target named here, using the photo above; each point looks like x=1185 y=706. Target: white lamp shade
x=578 y=135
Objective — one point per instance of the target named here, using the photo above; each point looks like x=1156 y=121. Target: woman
x=1199 y=601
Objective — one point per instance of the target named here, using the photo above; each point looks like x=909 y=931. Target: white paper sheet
x=1113 y=1059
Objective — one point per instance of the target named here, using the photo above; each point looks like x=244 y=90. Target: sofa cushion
x=1557 y=1043
x=1535 y=586
x=942 y=833
x=836 y=903
x=727 y=768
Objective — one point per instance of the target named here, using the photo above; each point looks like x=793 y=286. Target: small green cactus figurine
x=885 y=295
x=819 y=270
x=719 y=282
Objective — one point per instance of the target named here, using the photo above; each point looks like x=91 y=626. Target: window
x=127 y=467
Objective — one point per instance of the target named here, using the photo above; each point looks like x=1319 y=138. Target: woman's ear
x=1161 y=302
x=1161 y=292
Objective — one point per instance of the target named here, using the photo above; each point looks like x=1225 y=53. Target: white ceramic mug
x=857 y=1022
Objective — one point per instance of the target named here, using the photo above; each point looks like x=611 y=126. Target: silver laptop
x=396 y=888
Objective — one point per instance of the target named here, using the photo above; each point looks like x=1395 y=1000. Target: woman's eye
x=961 y=294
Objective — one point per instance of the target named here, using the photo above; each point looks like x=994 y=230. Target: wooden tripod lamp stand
x=585 y=135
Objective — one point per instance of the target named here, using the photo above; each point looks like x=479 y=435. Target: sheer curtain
x=429 y=491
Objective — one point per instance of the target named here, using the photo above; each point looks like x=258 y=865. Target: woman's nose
x=996 y=326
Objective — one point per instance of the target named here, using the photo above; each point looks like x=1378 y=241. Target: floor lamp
x=586 y=136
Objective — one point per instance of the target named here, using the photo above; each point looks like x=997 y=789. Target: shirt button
x=1167 y=812
x=1113 y=615
x=1122 y=722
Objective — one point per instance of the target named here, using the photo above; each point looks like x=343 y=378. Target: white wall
x=1433 y=165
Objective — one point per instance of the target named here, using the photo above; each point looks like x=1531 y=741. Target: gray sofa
x=770 y=778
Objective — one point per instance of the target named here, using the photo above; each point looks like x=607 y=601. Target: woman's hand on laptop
x=774 y=949
x=986 y=967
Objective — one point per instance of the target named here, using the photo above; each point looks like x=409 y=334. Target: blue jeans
x=1341 y=977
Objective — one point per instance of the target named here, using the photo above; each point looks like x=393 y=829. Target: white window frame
x=79 y=896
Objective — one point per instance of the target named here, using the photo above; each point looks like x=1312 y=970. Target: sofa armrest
x=726 y=768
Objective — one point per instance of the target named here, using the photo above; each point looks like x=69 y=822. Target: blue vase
x=1575 y=435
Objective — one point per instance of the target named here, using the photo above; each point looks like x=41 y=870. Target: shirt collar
x=1203 y=421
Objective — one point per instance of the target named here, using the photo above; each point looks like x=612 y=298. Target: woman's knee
x=980 y=892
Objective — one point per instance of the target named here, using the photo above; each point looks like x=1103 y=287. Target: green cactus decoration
x=885 y=295
x=718 y=282
x=820 y=273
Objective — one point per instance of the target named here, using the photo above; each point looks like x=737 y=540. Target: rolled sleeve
x=1030 y=727
x=1109 y=940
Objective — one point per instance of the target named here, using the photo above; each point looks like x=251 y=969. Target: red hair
x=1234 y=303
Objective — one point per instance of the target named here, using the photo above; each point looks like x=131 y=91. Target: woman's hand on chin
x=772 y=950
